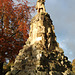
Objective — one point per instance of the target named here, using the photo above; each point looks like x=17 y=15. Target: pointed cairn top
x=40 y=6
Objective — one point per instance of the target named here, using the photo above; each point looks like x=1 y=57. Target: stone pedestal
x=41 y=55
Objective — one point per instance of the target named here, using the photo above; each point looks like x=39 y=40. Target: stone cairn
x=41 y=55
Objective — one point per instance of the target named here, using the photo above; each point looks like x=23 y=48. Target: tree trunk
x=1 y=68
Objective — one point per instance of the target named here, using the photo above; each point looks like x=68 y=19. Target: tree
x=14 y=28
x=23 y=16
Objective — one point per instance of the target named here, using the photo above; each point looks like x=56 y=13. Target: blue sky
x=62 y=12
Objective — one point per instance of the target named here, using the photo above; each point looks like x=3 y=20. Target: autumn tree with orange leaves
x=14 y=28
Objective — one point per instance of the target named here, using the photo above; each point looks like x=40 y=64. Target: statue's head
x=40 y=6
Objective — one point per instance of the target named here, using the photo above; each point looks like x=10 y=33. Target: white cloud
x=68 y=46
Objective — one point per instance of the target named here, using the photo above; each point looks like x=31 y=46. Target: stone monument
x=41 y=55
